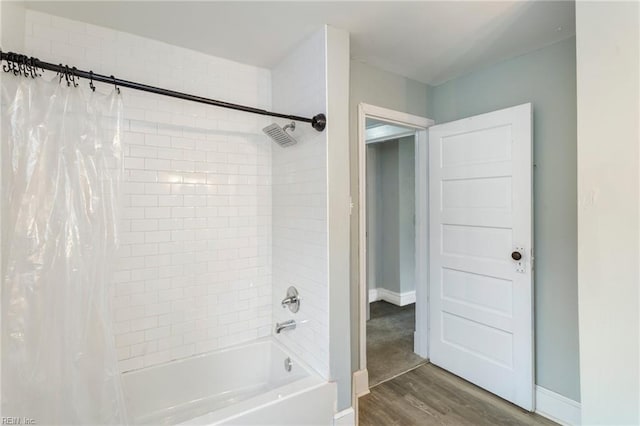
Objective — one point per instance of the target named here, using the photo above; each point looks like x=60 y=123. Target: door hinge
x=533 y=260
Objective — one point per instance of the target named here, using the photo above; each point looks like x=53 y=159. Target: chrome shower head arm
x=291 y=126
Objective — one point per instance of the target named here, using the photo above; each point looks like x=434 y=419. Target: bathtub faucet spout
x=286 y=325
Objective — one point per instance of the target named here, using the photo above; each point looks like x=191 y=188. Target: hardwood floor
x=429 y=395
x=390 y=341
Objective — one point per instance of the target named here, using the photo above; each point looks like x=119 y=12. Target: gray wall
x=388 y=225
x=392 y=226
x=406 y=213
x=376 y=87
x=547 y=79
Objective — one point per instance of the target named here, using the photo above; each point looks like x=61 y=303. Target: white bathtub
x=243 y=385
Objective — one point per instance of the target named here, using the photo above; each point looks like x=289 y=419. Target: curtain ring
x=66 y=75
x=5 y=66
x=12 y=63
x=26 y=69
x=74 y=76
x=115 y=84
x=34 y=63
x=16 y=65
x=22 y=65
x=8 y=67
x=60 y=73
x=93 y=88
x=31 y=67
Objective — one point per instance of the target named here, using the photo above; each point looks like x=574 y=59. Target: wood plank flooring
x=390 y=341
x=429 y=395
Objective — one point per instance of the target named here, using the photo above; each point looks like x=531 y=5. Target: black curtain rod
x=20 y=64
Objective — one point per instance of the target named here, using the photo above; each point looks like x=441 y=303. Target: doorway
x=390 y=188
x=388 y=125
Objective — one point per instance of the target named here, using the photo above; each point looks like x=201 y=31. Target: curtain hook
x=115 y=84
x=34 y=65
x=60 y=73
x=30 y=67
x=4 y=67
x=93 y=88
x=74 y=76
x=11 y=63
x=67 y=73
x=7 y=67
x=26 y=68
x=16 y=65
x=22 y=68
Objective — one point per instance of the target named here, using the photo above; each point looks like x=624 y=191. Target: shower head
x=280 y=135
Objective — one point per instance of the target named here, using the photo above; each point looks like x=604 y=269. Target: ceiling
x=381 y=131
x=428 y=41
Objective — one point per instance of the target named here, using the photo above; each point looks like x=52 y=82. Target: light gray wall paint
x=608 y=59
x=388 y=225
x=547 y=79
x=406 y=213
x=376 y=87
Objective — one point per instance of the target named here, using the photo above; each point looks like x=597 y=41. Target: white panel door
x=481 y=254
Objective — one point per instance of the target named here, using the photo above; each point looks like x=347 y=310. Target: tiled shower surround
x=194 y=269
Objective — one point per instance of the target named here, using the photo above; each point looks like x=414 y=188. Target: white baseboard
x=361 y=383
x=398 y=299
x=558 y=408
x=345 y=417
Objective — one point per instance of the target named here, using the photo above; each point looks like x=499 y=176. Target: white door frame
x=361 y=377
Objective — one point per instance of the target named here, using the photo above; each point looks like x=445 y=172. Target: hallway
x=390 y=341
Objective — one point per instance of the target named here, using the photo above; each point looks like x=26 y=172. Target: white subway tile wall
x=300 y=256
x=194 y=270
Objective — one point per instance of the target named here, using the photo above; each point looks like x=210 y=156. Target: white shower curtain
x=61 y=170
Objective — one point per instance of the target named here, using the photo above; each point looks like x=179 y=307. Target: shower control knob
x=292 y=300
x=516 y=255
